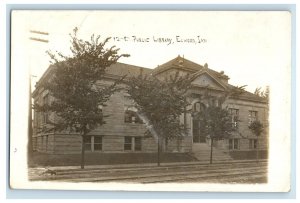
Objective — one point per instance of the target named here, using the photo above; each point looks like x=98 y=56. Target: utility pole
x=30 y=130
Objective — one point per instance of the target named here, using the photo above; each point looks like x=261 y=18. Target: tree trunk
x=257 y=151
x=211 y=150
x=158 y=151
x=82 y=152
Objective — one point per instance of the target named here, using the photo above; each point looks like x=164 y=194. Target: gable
x=205 y=79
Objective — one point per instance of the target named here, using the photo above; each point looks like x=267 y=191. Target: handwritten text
x=161 y=40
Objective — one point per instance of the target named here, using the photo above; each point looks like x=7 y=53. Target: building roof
x=248 y=95
x=117 y=69
x=185 y=64
x=179 y=63
x=121 y=69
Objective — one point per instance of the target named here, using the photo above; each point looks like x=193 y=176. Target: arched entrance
x=198 y=137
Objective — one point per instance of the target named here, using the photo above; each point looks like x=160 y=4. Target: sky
x=250 y=47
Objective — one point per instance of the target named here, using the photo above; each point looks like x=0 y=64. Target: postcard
x=150 y=100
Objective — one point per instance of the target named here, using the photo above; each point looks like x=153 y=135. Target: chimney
x=141 y=71
x=205 y=66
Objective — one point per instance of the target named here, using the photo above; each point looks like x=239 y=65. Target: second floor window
x=131 y=116
x=46 y=101
x=198 y=107
x=253 y=115
x=234 y=117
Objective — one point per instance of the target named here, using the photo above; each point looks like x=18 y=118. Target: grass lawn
x=41 y=159
x=244 y=155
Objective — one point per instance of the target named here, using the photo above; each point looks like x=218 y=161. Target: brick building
x=124 y=131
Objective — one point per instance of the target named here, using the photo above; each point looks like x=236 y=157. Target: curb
x=143 y=165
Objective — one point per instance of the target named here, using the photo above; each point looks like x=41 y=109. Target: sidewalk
x=145 y=165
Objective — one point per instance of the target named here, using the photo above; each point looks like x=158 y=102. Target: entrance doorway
x=198 y=137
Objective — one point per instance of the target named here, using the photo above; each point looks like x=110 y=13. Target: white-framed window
x=234 y=144
x=252 y=143
x=132 y=143
x=234 y=117
x=93 y=143
x=253 y=116
x=127 y=143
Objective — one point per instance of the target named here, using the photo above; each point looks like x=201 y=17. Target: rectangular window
x=234 y=117
x=127 y=117
x=43 y=146
x=132 y=143
x=215 y=102
x=97 y=143
x=230 y=143
x=45 y=117
x=127 y=143
x=252 y=116
x=46 y=114
x=46 y=144
x=35 y=120
x=34 y=146
x=252 y=143
x=137 y=143
x=93 y=143
x=255 y=144
x=233 y=144
x=131 y=117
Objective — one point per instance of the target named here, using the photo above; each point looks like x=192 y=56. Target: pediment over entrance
x=206 y=80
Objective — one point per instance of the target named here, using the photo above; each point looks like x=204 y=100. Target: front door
x=198 y=137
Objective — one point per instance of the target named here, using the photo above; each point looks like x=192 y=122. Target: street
x=234 y=172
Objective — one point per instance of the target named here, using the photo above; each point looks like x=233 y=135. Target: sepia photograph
x=150 y=100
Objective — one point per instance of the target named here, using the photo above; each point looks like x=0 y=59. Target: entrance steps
x=201 y=151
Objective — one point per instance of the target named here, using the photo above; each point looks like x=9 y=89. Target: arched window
x=198 y=107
